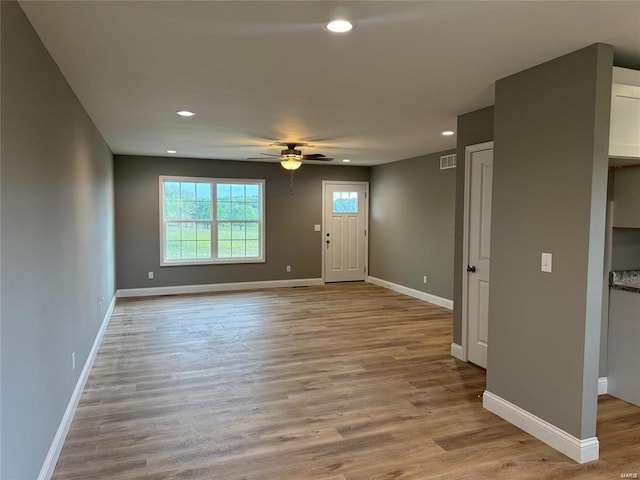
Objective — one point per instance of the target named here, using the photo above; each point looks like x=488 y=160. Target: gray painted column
x=550 y=192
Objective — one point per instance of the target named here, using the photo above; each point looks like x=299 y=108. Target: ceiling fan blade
x=287 y=144
x=317 y=159
x=313 y=156
x=269 y=154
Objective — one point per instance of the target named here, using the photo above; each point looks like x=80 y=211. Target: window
x=345 y=202
x=209 y=220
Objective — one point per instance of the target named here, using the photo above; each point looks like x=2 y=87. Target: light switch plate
x=316 y=228
x=546 y=262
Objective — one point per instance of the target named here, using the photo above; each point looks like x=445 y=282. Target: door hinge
x=365 y=233
x=365 y=269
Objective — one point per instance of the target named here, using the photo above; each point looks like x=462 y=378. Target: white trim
x=468 y=150
x=603 y=386
x=457 y=352
x=58 y=440
x=424 y=296
x=217 y=287
x=582 y=451
x=366 y=222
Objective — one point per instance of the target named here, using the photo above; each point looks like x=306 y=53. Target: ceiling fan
x=291 y=157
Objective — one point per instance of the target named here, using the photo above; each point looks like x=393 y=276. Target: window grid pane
x=238 y=248
x=187 y=191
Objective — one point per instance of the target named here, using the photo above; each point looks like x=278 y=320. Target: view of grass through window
x=193 y=233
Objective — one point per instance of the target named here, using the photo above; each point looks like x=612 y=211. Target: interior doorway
x=477 y=242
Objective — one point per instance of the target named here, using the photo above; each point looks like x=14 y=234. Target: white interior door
x=344 y=232
x=480 y=174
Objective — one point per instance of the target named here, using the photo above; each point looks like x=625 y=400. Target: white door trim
x=366 y=222
x=465 y=242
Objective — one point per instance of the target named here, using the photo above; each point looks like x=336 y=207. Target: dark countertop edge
x=626 y=288
x=619 y=283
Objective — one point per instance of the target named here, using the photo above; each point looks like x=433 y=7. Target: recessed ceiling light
x=185 y=113
x=339 y=26
x=171 y=151
x=448 y=133
x=346 y=160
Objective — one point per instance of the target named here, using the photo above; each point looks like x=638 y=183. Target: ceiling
x=261 y=72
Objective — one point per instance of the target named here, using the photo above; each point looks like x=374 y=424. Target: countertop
x=628 y=280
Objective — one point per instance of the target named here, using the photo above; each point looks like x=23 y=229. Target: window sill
x=234 y=261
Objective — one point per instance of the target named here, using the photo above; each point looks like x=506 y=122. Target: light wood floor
x=340 y=382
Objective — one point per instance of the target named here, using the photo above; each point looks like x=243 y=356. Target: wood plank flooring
x=339 y=382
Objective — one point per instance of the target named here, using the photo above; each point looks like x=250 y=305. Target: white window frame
x=214 y=221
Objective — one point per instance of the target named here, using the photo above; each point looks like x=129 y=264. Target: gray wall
x=473 y=128
x=549 y=195
x=412 y=220
x=290 y=238
x=57 y=243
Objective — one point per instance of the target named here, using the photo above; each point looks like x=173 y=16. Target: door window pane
x=345 y=202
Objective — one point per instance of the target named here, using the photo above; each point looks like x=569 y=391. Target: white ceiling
x=259 y=72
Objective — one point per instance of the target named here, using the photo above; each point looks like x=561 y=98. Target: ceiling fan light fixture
x=339 y=26
x=291 y=164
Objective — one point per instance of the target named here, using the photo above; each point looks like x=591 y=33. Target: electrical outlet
x=546 y=262
x=424 y=279
x=73 y=361
x=150 y=275
x=288 y=268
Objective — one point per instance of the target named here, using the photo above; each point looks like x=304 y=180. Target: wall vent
x=448 y=161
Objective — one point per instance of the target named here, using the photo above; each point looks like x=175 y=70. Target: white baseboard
x=426 y=297
x=457 y=352
x=217 y=287
x=58 y=441
x=603 y=386
x=582 y=451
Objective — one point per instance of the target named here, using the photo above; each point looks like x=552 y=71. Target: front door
x=344 y=232
x=480 y=174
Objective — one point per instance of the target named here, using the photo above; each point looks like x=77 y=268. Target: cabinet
x=624 y=136
x=623 y=373
x=626 y=197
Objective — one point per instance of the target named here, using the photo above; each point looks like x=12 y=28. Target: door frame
x=366 y=223
x=468 y=150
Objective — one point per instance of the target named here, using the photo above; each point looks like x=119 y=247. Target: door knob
x=471 y=268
